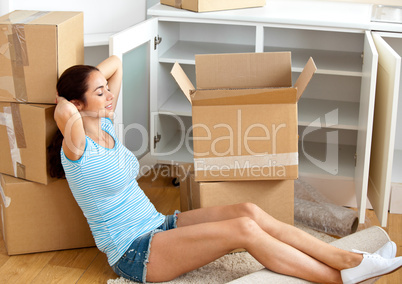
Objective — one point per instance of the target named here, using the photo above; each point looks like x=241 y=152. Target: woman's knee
x=246 y=226
x=261 y=217
x=249 y=209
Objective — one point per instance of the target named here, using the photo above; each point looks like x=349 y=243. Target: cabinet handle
x=157 y=138
x=157 y=40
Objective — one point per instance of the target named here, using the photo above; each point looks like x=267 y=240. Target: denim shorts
x=133 y=264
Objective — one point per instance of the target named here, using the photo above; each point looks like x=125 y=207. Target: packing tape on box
x=18 y=128
x=7 y=119
x=19 y=59
x=24 y=17
x=2 y=221
x=242 y=162
x=6 y=199
x=16 y=51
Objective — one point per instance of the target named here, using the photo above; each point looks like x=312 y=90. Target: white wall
x=4 y=7
x=150 y=3
x=100 y=16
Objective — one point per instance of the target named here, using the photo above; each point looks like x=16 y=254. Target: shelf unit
x=334 y=64
x=336 y=110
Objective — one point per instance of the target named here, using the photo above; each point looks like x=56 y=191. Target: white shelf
x=333 y=14
x=175 y=154
x=345 y=166
x=311 y=109
x=184 y=51
x=327 y=62
x=96 y=39
x=177 y=104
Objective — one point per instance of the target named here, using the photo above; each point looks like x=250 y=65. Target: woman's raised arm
x=69 y=121
x=112 y=69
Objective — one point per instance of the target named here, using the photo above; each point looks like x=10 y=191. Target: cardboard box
x=276 y=197
x=37 y=218
x=208 y=5
x=185 y=171
x=26 y=131
x=35 y=48
x=244 y=114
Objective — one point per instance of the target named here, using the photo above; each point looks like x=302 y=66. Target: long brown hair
x=72 y=85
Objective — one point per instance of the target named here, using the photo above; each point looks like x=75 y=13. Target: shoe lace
x=373 y=255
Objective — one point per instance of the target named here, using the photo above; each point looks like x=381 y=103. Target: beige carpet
x=226 y=268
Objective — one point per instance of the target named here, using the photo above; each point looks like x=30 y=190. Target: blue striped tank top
x=103 y=182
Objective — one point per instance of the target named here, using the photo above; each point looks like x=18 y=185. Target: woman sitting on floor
x=142 y=244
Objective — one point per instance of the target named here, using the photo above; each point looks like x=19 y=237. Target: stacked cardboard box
x=37 y=217
x=26 y=131
x=185 y=172
x=35 y=48
x=245 y=130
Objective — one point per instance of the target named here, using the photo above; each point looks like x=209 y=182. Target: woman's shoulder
x=106 y=122
x=74 y=159
x=107 y=125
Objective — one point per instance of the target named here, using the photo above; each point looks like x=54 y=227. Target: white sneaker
x=370 y=281
x=371 y=266
x=386 y=251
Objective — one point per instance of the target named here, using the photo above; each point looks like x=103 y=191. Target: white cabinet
x=335 y=112
x=386 y=157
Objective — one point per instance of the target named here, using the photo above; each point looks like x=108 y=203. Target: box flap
x=305 y=77
x=243 y=70
x=244 y=97
x=182 y=80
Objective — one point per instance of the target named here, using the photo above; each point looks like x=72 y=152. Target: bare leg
x=302 y=241
x=206 y=234
x=184 y=249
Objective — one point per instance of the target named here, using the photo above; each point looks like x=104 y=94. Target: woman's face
x=98 y=97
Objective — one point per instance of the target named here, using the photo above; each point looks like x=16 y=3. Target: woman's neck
x=93 y=129
x=92 y=126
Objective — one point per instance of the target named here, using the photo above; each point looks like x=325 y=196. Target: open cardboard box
x=208 y=5
x=244 y=114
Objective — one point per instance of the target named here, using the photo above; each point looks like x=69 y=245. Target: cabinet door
x=135 y=46
x=386 y=106
x=366 y=113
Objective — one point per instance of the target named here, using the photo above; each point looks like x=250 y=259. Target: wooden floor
x=89 y=265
